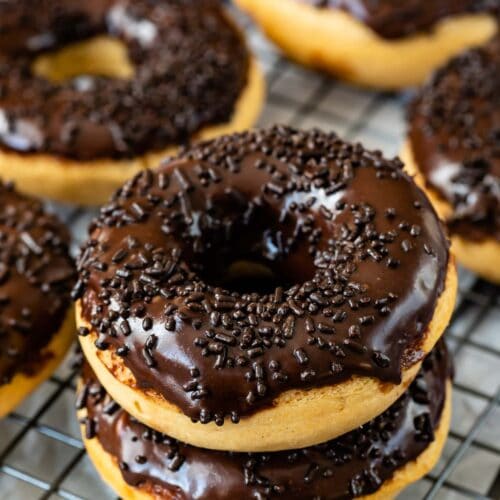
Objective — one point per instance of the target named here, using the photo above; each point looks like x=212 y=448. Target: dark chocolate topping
x=455 y=138
x=33 y=26
x=36 y=277
x=357 y=254
x=191 y=65
x=400 y=18
x=355 y=464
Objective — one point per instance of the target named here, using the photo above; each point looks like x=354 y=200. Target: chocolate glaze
x=29 y=27
x=358 y=251
x=355 y=464
x=397 y=19
x=36 y=277
x=190 y=62
x=455 y=139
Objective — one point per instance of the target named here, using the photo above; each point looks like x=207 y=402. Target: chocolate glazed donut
x=453 y=149
x=455 y=140
x=355 y=256
x=191 y=65
x=355 y=464
x=382 y=44
x=395 y=19
x=36 y=276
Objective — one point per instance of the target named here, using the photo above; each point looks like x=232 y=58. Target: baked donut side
x=452 y=149
x=335 y=40
x=363 y=288
x=141 y=463
x=184 y=74
x=36 y=277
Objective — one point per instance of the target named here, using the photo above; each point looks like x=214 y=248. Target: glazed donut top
x=397 y=19
x=191 y=65
x=352 y=465
x=36 y=277
x=455 y=139
x=358 y=255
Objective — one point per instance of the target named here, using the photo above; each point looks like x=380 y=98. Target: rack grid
x=41 y=454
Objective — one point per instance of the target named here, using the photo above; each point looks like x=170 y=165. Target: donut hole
x=247 y=259
x=99 y=56
x=246 y=276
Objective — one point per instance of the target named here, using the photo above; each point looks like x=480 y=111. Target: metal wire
x=471 y=464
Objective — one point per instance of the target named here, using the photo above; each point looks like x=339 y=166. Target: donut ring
x=37 y=323
x=456 y=160
x=155 y=466
x=386 y=45
x=180 y=73
x=356 y=270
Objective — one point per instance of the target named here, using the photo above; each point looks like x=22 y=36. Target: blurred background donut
x=385 y=44
x=91 y=92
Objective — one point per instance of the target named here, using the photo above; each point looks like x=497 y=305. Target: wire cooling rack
x=41 y=455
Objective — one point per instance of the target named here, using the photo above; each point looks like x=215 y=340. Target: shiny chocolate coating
x=36 y=277
x=399 y=18
x=190 y=61
x=355 y=464
x=358 y=255
x=455 y=140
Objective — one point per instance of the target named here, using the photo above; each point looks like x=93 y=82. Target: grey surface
x=41 y=456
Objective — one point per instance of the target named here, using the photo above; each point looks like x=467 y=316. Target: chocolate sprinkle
x=190 y=61
x=455 y=138
x=397 y=19
x=36 y=277
x=355 y=464
x=326 y=301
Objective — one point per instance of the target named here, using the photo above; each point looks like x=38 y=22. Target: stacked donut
x=261 y=316
x=91 y=92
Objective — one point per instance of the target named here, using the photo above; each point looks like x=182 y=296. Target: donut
x=260 y=281
x=376 y=460
x=91 y=92
x=383 y=44
x=37 y=322
x=453 y=148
